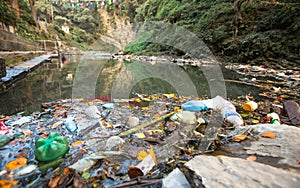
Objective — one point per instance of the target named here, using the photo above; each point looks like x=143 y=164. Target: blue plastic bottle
x=194 y=106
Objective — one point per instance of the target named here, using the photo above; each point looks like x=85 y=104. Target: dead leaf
x=218 y=156
x=17 y=163
x=151 y=152
x=145 y=108
x=143 y=154
x=176 y=108
x=299 y=160
x=156 y=115
x=77 y=143
x=255 y=121
x=54 y=182
x=67 y=171
x=268 y=135
x=7 y=184
x=251 y=158
x=239 y=138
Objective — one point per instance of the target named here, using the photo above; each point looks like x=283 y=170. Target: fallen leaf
x=218 y=156
x=138 y=100
x=239 y=138
x=54 y=182
x=56 y=124
x=140 y=135
x=142 y=155
x=151 y=152
x=268 y=135
x=58 y=108
x=67 y=171
x=7 y=184
x=17 y=163
x=145 y=108
x=251 y=158
x=299 y=160
x=171 y=95
x=255 y=121
x=77 y=143
x=156 y=115
x=176 y=108
x=86 y=175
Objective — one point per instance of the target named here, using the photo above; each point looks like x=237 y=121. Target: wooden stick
x=145 y=124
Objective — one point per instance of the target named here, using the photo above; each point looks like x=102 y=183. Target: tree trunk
x=33 y=11
x=15 y=5
x=238 y=15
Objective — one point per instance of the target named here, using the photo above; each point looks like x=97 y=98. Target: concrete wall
x=12 y=42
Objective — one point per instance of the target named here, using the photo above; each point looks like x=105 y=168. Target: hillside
x=241 y=31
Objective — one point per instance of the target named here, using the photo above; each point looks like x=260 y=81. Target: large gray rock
x=208 y=171
x=286 y=144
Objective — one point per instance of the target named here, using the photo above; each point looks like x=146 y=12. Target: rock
x=175 y=179
x=85 y=126
x=208 y=171
x=133 y=121
x=292 y=110
x=285 y=145
x=114 y=143
x=93 y=112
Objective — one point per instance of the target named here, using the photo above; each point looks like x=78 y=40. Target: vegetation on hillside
x=262 y=31
x=244 y=31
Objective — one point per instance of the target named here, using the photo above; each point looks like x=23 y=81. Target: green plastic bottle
x=51 y=148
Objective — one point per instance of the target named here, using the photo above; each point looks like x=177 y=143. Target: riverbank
x=20 y=70
x=103 y=152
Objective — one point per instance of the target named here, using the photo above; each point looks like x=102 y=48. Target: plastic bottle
x=194 y=106
x=70 y=124
x=228 y=111
x=51 y=148
x=234 y=118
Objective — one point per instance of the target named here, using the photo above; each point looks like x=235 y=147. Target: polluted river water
x=54 y=80
x=95 y=155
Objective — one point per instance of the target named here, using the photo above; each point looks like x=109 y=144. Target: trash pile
x=123 y=143
x=275 y=84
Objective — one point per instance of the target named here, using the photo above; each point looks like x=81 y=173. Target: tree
x=33 y=11
x=238 y=16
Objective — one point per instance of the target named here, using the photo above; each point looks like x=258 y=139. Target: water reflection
x=53 y=81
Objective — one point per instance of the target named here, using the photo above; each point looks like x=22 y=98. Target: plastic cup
x=250 y=106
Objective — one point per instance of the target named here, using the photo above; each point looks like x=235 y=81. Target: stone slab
x=228 y=172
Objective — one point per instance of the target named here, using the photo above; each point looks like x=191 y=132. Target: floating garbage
x=142 y=168
x=194 y=106
x=5 y=139
x=218 y=103
x=184 y=117
x=51 y=148
x=111 y=149
x=3 y=128
x=250 y=106
x=70 y=124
